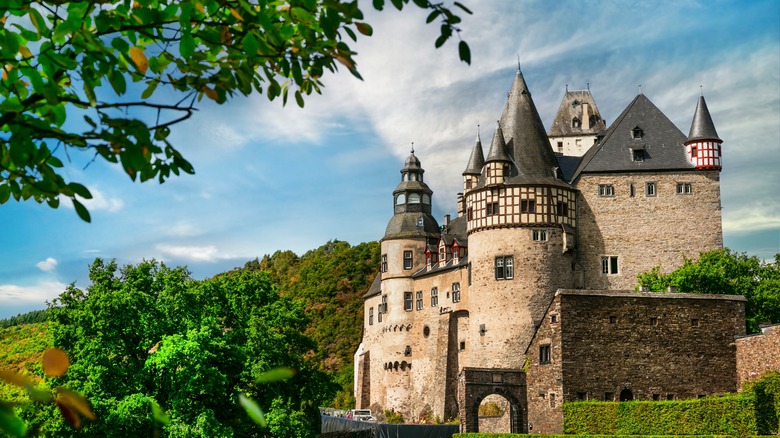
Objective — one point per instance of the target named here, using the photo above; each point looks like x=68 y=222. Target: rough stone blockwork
x=758 y=354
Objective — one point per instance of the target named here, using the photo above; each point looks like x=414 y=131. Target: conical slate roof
x=476 y=160
x=526 y=138
x=641 y=127
x=702 y=127
x=498 y=148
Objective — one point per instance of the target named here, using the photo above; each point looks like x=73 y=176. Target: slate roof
x=571 y=107
x=702 y=127
x=376 y=286
x=661 y=141
x=404 y=225
x=526 y=140
x=498 y=147
x=476 y=160
x=568 y=165
x=435 y=268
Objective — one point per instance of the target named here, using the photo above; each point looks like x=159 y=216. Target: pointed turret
x=526 y=139
x=703 y=144
x=474 y=167
x=498 y=162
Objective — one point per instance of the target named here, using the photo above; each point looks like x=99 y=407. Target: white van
x=362 y=415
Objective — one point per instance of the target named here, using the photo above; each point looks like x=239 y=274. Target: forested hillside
x=330 y=281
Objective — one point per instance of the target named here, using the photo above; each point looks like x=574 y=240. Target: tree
x=726 y=272
x=148 y=335
x=66 y=68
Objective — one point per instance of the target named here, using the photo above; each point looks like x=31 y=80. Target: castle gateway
x=527 y=296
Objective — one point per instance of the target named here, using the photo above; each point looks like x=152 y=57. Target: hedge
x=754 y=411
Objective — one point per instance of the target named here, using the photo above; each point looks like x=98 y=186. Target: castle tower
x=384 y=366
x=703 y=143
x=576 y=125
x=474 y=166
x=520 y=218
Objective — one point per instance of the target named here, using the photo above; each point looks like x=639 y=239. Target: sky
x=270 y=178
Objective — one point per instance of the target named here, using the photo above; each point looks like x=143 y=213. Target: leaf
x=210 y=93
x=71 y=416
x=5 y=193
x=235 y=13
x=186 y=45
x=465 y=9
x=139 y=59
x=159 y=414
x=250 y=44
x=275 y=375
x=11 y=424
x=80 y=190
x=15 y=378
x=299 y=98
x=464 y=52
x=76 y=401
x=252 y=409
x=150 y=89
x=81 y=210
x=55 y=361
x=432 y=16
x=364 y=28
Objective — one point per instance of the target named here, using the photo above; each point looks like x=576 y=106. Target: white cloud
x=12 y=294
x=47 y=265
x=208 y=253
x=99 y=202
x=184 y=229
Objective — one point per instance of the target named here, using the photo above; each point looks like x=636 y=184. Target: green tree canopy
x=727 y=272
x=148 y=335
x=78 y=75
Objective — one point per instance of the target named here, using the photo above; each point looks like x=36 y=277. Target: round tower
x=520 y=223
x=703 y=144
x=402 y=255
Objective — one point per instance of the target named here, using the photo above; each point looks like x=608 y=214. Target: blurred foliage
x=330 y=281
x=726 y=272
x=85 y=76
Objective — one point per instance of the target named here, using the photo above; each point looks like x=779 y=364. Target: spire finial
x=412 y=147
x=567 y=88
x=518 y=62
x=588 y=85
x=640 y=88
x=701 y=90
x=477 y=131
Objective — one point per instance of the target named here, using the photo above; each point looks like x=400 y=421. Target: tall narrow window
x=539 y=235
x=469 y=273
x=370 y=316
x=650 y=189
x=408 y=301
x=505 y=269
x=419 y=300
x=456 y=292
x=383 y=266
x=544 y=354
x=435 y=297
x=491 y=208
x=631 y=190
x=470 y=213
x=407 y=260
x=694 y=151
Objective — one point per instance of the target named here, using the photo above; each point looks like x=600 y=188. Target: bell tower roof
x=702 y=127
x=412 y=204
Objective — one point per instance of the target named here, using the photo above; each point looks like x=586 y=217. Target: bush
x=393 y=417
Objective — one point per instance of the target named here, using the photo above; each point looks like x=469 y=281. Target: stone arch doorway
x=626 y=395
x=474 y=384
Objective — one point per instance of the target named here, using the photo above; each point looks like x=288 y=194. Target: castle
x=529 y=293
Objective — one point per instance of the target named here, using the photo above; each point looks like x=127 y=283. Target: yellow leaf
x=55 y=362
x=25 y=52
x=211 y=94
x=199 y=7
x=236 y=14
x=76 y=401
x=13 y=377
x=344 y=60
x=139 y=59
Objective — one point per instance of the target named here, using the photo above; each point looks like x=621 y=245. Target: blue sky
x=271 y=179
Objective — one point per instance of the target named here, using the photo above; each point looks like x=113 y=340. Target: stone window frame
x=456 y=292
x=606 y=191
x=370 y=316
x=419 y=300
x=408 y=301
x=504 y=268
x=651 y=189
x=544 y=354
x=383 y=264
x=539 y=235
x=610 y=265
x=631 y=190
x=434 y=297
x=684 y=188
x=408 y=259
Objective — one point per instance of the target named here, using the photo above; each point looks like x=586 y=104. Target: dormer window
x=638 y=155
x=576 y=122
x=441 y=255
x=637 y=132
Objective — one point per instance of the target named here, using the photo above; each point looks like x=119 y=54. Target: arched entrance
x=626 y=395
x=475 y=384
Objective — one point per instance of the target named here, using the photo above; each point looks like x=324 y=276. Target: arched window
x=426 y=199
x=626 y=395
x=414 y=198
x=400 y=199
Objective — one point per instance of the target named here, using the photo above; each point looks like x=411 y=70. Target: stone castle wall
x=645 y=231
x=656 y=345
x=757 y=354
x=545 y=380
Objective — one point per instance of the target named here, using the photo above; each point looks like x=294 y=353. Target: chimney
x=585 y=117
x=461 y=205
x=446 y=221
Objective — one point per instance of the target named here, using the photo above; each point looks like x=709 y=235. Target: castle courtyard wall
x=758 y=354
